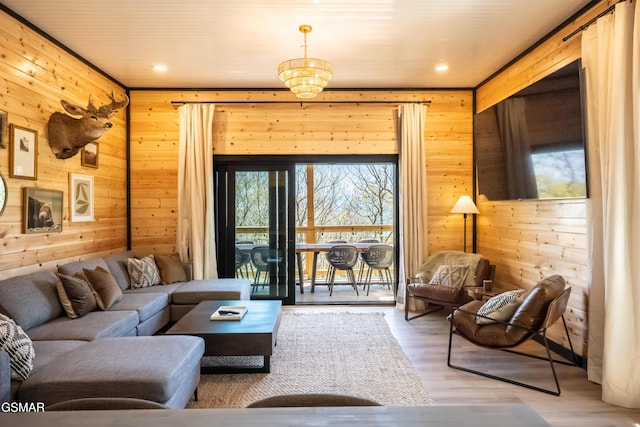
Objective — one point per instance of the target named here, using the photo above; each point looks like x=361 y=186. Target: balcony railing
x=321 y=234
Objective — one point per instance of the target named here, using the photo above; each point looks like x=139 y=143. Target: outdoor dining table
x=316 y=248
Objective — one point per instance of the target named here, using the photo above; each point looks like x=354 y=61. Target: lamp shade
x=465 y=205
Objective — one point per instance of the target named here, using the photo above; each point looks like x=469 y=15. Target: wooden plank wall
x=331 y=127
x=35 y=75
x=529 y=240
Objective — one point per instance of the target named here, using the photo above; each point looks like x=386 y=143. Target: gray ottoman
x=163 y=369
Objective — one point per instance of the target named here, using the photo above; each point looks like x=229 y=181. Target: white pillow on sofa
x=450 y=275
x=18 y=345
x=500 y=308
x=143 y=272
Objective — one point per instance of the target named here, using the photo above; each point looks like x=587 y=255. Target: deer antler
x=90 y=107
x=114 y=105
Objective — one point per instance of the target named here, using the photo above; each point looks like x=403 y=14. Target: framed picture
x=42 y=210
x=23 y=156
x=89 y=155
x=4 y=126
x=81 y=197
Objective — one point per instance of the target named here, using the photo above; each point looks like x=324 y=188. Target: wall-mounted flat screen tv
x=532 y=144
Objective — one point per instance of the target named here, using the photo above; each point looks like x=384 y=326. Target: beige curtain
x=611 y=58
x=195 y=236
x=413 y=193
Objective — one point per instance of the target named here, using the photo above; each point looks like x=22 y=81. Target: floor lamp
x=465 y=206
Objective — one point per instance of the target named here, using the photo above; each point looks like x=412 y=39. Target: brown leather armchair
x=438 y=295
x=540 y=308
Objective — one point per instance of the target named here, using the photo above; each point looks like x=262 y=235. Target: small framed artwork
x=23 y=155
x=42 y=210
x=4 y=126
x=89 y=155
x=81 y=197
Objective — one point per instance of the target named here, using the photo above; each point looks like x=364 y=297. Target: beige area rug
x=340 y=353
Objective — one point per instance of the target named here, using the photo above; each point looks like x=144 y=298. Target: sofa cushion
x=146 y=304
x=151 y=368
x=143 y=272
x=107 y=290
x=76 y=296
x=31 y=299
x=195 y=291
x=118 y=267
x=166 y=289
x=5 y=372
x=92 y=326
x=46 y=351
x=14 y=341
x=171 y=269
x=72 y=268
x=500 y=307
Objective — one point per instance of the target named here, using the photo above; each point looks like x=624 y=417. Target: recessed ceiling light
x=160 y=68
x=442 y=67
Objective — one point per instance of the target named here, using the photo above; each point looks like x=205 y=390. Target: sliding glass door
x=270 y=209
x=255 y=227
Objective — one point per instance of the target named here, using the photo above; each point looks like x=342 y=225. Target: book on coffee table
x=229 y=312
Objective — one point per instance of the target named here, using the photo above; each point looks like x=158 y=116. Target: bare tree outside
x=301 y=196
x=329 y=193
x=343 y=195
x=372 y=202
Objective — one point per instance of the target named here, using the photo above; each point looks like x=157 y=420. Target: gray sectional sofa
x=108 y=353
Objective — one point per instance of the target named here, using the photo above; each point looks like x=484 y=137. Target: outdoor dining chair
x=330 y=269
x=243 y=261
x=362 y=264
x=343 y=257
x=262 y=260
x=379 y=258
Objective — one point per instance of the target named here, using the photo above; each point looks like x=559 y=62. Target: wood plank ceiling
x=227 y=44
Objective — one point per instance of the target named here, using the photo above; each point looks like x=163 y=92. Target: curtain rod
x=300 y=102
x=583 y=27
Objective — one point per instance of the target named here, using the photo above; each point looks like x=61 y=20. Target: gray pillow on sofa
x=76 y=296
x=104 y=284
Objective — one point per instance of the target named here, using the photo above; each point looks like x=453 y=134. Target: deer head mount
x=67 y=135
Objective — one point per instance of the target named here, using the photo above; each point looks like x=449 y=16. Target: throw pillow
x=450 y=275
x=171 y=269
x=18 y=345
x=500 y=308
x=107 y=291
x=143 y=272
x=75 y=295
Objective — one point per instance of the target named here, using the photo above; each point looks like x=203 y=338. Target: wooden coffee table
x=254 y=335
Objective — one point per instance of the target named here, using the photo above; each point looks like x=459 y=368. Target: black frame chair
x=434 y=304
x=554 y=312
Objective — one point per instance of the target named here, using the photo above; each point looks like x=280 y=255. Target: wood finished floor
x=425 y=341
